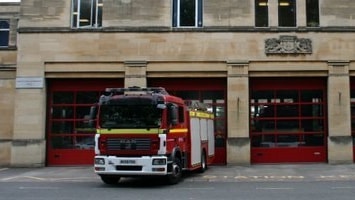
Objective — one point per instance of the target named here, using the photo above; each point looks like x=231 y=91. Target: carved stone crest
x=288 y=45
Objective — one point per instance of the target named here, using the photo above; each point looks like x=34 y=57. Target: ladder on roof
x=147 y=90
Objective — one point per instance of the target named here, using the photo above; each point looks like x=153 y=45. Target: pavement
x=228 y=173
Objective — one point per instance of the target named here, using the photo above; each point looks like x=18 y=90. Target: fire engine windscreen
x=126 y=114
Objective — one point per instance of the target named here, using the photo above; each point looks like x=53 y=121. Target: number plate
x=127 y=161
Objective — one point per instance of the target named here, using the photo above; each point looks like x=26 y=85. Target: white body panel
x=162 y=148
x=210 y=132
x=204 y=129
x=97 y=151
x=144 y=166
x=195 y=141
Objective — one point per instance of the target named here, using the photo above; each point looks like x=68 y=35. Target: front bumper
x=131 y=166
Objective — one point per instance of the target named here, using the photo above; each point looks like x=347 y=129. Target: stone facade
x=8 y=60
x=137 y=42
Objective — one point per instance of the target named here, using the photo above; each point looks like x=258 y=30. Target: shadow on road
x=147 y=182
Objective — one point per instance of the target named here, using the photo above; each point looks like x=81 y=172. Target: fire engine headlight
x=99 y=161
x=159 y=161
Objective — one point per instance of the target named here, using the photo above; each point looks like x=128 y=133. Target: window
x=87 y=13
x=261 y=13
x=181 y=114
x=287 y=13
x=4 y=33
x=187 y=13
x=312 y=12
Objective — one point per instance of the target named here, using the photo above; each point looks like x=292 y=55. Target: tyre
x=110 y=179
x=203 y=162
x=176 y=172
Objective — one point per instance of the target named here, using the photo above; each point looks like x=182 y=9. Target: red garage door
x=353 y=113
x=70 y=138
x=288 y=120
x=211 y=91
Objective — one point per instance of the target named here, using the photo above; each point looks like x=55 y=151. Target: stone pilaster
x=273 y=13
x=135 y=73
x=7 y=97
x=339 y=117
x=301 y=14
x=238 y=141
x=28 y=145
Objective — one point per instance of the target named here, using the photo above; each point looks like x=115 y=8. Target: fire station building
x=278 y=74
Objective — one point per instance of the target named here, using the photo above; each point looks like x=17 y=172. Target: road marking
x=338 y=176
x=20 y=177
x=256 y=178
x=38 y=188
x=3 y=169
x=274 y=188
x=200 y=188
x=337 y=188
x=214 y=177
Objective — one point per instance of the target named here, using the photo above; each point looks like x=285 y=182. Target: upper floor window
x=261 y=13
x=287 y=13
x=312 y=13
x=4 y=33
x=87 y=13
x=187 y=13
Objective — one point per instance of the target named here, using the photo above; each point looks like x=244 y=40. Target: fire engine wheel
x=203 y=162
x=176 y=172
x=110 y=180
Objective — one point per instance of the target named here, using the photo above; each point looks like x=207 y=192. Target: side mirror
x=161 y=106
x=173 y=114
x=93 y=113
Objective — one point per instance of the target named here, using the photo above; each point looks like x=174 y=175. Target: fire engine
x=147 y=132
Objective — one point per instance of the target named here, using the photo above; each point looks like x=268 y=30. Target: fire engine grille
x=128 y=144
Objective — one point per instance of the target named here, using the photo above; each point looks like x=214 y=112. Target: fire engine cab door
x=195 y=141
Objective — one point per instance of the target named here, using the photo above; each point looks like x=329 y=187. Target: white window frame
x=95 y=4
x=196 y=15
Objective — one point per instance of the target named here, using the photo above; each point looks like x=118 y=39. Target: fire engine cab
x=147 y=132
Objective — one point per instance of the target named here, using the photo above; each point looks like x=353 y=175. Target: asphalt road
x=283 y=182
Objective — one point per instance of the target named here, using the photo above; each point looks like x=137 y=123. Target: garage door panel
x=288 y=120
x=69 y=134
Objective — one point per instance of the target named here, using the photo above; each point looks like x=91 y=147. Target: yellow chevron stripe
x=201 y=114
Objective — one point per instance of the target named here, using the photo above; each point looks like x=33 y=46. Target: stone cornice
x=340 y=29
x=338 y=63
x=9 y=48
